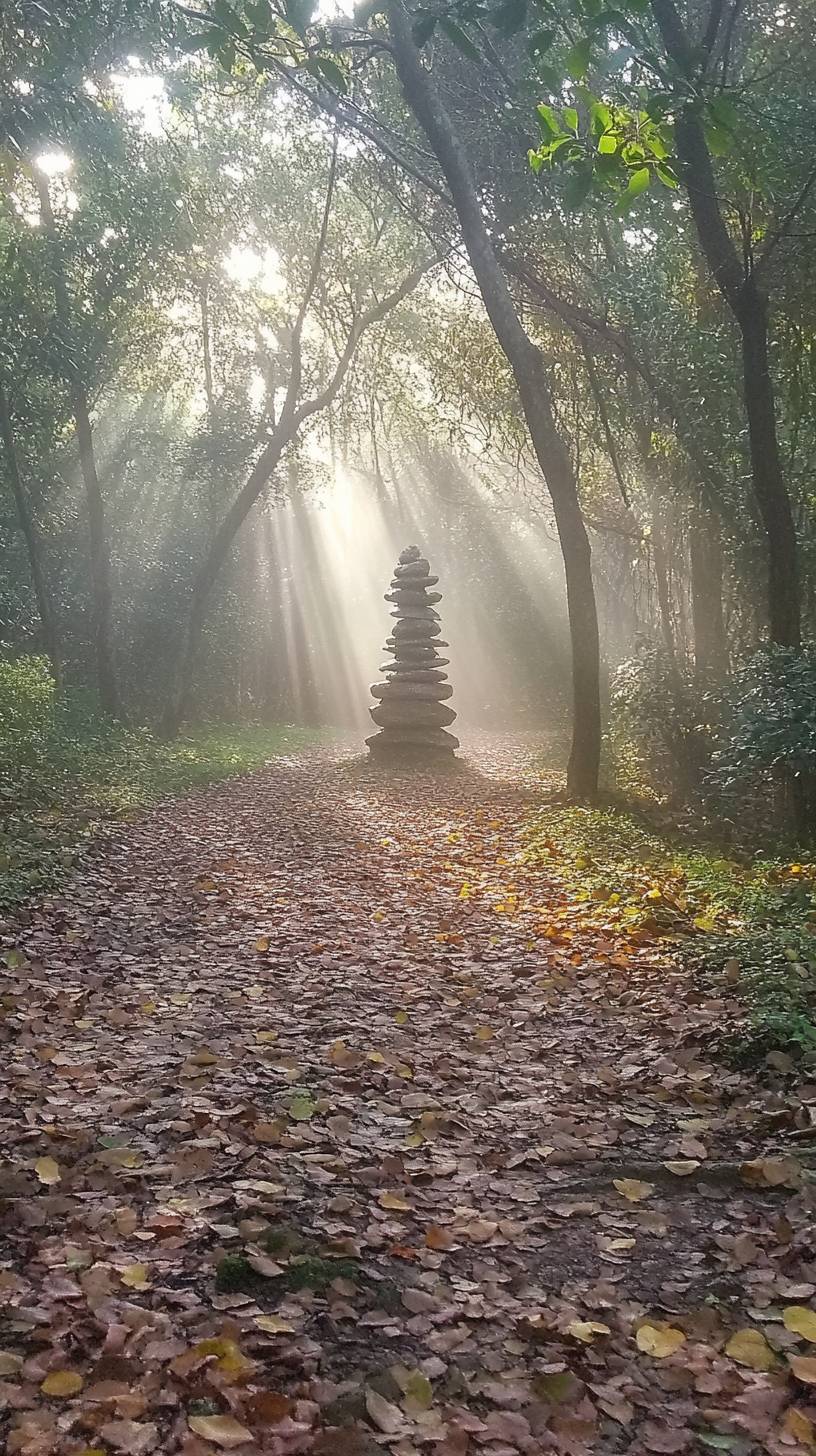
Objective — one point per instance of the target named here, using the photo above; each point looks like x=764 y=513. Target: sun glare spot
x=54 y=164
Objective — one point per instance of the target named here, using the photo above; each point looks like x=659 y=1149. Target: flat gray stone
x=431 y=692
x=409 y=714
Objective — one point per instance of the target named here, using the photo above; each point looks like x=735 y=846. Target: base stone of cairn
x=411 y=712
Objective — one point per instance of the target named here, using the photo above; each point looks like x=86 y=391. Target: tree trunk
x=209 y=570
x=773 y=501
x=706 y=557
x=31 y=535
x=99 y=548
x=739 y=286
x=528 y=369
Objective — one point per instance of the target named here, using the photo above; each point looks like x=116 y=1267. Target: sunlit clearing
x=53 y=164
x=326 y=559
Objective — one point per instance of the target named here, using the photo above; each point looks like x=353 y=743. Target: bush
x=26 y=712
x=766 y=750
x=659 y=715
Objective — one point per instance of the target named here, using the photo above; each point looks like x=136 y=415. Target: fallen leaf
x=804 y=1368
x=135 y=1276
x=586 y=1330
x=47 y=1170
x=800 y=1321
x=749 y=1347
x=393 y=1201
x=62 y=1384
x=632 y=1189
x=659 y=1340
x=223 y=1430
x=386 y=1417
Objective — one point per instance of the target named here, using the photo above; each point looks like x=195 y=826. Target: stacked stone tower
x=411 y=713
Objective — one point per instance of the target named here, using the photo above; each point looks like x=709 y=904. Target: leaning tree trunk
x=31 y=536
x=528 y=369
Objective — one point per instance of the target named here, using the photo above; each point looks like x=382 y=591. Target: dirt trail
x=503 y=1180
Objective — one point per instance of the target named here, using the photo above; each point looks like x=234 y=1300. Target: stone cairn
x=411 y=712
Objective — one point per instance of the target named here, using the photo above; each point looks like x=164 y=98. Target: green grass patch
x=65 y=780
x=746 y=926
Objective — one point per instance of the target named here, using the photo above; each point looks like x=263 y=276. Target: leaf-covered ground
x=328 y=1125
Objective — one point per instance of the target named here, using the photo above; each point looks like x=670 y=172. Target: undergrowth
x=745 y=926
x=64 y=772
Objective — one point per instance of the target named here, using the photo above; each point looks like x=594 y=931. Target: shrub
x=766 y=749
x=26 y=712
x=658 y=712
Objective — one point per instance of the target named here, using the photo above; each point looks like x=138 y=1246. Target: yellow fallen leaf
x=262 y=944
x=749 y=1347
x=266 y=1036
x=659 y=1340
x=586 y=1330
x=401 y=1018
x=223 y=1430
x=273 y=1325
x=682 y=1168
x=484 y=1033
x=799 y=1427
x=632 y=1189
x=395 y=1201
x=804 y=1368
x=119 y=1158
x=135 y=1276
x=47 y=1170
x=62 y=1384
x=800 y=1321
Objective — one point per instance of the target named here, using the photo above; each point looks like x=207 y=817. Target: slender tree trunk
x=664 y=604
x=34 y=546
x=739 y=286
x=773 y=501
x=528 y=369
x=706 y=559
x=99 y=547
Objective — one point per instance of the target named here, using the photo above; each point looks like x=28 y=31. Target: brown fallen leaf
x=386 y=1417
x=134 y=1438
x=438 y=1238
x=804 y=1368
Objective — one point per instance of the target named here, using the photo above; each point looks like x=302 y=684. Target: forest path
x=319 y=998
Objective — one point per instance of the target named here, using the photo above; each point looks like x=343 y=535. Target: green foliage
x=746 y=929
x=771 y=721
x=771 y=967
x=657 y=707
x=235 y=1275
x=27 y=696
x=63 y=771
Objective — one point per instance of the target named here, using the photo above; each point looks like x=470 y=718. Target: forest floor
x=330 y=1124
